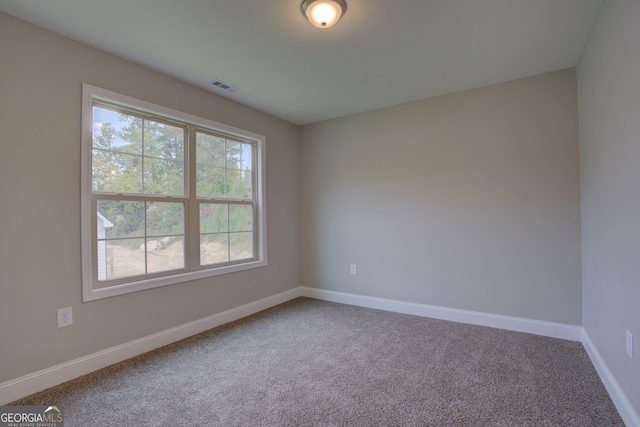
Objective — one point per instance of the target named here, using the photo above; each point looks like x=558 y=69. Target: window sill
x=90 y=294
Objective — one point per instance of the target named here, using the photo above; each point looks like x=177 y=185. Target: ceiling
x=381 y=53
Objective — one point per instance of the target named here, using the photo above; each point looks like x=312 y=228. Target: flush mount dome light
x=323 y=13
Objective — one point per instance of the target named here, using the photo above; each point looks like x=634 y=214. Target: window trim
x=89 y=293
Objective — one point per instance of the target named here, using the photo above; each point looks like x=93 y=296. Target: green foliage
x=224 y=218
x=214 y=218
x=137 y=155
x=127 y=217
x=224 y=168
x=165 y=218
x=139 y=219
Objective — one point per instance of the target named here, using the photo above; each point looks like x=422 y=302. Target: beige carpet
x=315 y=363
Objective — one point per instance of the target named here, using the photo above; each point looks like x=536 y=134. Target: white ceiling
x=382 y=52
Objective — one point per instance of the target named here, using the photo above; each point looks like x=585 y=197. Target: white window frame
x=88 y=238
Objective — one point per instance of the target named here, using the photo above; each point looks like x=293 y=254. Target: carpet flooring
x=316 y=363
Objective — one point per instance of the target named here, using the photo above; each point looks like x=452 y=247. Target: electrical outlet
x=630 y=345
x=65 y=317
x=353 y=270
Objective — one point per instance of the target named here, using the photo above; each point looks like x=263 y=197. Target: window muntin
x=226 y=233
x=168 y=197
x=224 y=167
x=134 y=154
x=144 y=237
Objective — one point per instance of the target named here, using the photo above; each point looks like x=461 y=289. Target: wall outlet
x=353 y=270
x=65 y=317
x=630 y=345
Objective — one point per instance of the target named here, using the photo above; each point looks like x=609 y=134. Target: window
x=166 y=197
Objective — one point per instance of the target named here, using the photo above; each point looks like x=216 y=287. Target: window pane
x=214 y=218
x=104 y=170
x=239 y=155
x=163 y=140
x=140 y=237
x=224 y=168
x=240 y=245
x=234 y=155
x=240 y=218
x=165 y=254
x=104 y=262
x=247 y=157
x=116 y=131
x=210 y=182
x=131 y=132
x=238 y=186
x=124 y=258
x=118 y=136
x=119 y=218
x=165 y=218
x=116 y=172
x=163 y=177
x=214 y=248
x=210 y=150
x=248 y=184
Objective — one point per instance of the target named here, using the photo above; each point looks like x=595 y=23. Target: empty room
x=320 y=212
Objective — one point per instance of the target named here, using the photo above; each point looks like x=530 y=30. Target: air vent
x=219 y=84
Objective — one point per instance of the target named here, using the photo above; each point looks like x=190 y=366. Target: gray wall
x=609 y=111
x=467 y=201
x=40 y=99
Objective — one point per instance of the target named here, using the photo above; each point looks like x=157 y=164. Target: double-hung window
x=167 y=197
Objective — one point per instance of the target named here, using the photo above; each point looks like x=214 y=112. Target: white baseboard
x=626 y=410
x=538 y=327
x=554 y=330
x=37 y=381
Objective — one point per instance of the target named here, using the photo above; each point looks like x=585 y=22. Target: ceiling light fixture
x=323 y=13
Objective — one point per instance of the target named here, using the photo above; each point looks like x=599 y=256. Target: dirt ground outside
x=126 y=261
